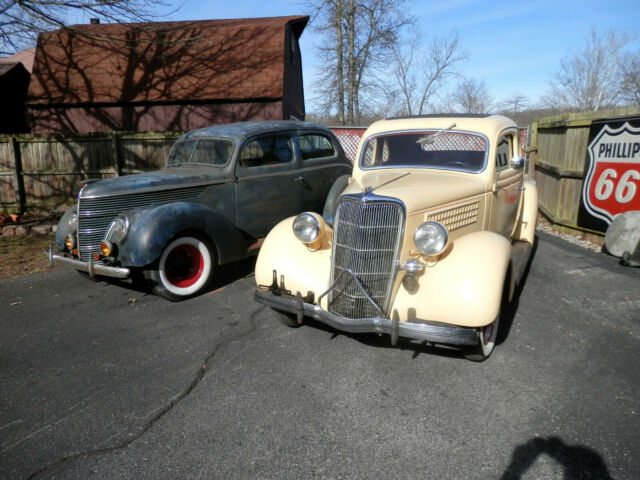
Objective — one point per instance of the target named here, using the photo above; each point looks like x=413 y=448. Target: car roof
x=489 y=125
x=244 y=130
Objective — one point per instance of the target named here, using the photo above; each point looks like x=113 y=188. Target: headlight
x=120 y=227
x=306 y=228
x=73 y=222
x=430 y=238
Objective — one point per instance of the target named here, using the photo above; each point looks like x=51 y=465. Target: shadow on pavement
x=578 y=462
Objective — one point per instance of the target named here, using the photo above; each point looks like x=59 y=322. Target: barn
x=166 y=75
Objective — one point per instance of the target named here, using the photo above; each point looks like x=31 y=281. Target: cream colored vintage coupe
x=426 y=239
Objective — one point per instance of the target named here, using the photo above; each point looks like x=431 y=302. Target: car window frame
x=425 y=167
x=511 y=144
x=197 y=139
x=270 y=167
x=312 y=160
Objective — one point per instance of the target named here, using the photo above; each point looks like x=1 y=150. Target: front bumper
x=418 y=330
x=90 y=267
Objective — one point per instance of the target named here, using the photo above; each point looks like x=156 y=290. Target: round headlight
x=120 y=227
x=306 y=228
x=430 y=238
x=73 y=222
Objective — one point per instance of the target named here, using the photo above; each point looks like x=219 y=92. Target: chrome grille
x=96 y=214
x=366 y=241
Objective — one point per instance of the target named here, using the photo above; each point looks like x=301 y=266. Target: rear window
x=426 y=149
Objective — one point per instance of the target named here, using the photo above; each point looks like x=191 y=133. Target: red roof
x=162 y=62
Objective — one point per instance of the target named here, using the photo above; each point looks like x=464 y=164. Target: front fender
x=464 y=288
x=152 y=228
x=301 y=269
x=64 y=227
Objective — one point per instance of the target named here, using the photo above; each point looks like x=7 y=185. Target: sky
x=514 y=47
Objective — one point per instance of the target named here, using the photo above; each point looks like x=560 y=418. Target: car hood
x=166 y=179
x=423 y=189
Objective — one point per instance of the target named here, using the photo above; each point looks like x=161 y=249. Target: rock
x=41 y=230
x=21 y=231
x=9 y=231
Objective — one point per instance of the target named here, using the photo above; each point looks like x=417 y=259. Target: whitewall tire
x=184 y=268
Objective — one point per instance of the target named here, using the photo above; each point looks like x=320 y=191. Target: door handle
x=298 y=179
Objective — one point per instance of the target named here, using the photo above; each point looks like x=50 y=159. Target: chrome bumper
x=90 y=267
x=431 y=332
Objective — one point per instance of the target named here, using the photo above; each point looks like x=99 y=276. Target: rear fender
x=464 y=288
x=152 y=228
x=525 y=230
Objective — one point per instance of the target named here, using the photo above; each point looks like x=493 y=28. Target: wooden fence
x=44 y=171
x=562 y=146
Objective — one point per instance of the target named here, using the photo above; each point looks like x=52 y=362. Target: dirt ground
x=21 y=256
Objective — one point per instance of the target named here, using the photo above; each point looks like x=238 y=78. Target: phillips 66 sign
x=612 y=174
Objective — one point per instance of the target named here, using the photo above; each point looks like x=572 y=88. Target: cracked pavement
x=96 y=385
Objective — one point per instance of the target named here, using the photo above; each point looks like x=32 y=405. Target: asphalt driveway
x=100 y=380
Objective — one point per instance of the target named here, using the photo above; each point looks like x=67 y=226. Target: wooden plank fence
x=562 y=145
x=44 y=171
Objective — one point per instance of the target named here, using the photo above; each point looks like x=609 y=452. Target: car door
x=266 y=190
x=507 y=190
x=322 y=164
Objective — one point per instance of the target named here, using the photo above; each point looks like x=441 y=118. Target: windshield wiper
x=428 y=140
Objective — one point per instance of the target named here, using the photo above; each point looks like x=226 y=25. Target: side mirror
x=517 y=162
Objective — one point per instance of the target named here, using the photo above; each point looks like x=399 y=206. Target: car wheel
x=184 y=268
x=486 y=342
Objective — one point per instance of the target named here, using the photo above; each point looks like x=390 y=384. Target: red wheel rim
x=486 y=334
x=184 y=265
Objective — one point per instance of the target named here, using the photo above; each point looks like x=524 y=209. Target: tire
x=486 y=342
x=184 y=268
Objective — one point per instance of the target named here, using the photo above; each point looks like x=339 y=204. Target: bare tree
x=472 y=96
x=589 y=79
x=419 y=73
x=358 y=35
x=514 y=104
x=630 y=79
x=22 y=20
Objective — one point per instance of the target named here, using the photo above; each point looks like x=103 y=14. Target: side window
x=504 y=152
x=270 y=150
x=315 y=146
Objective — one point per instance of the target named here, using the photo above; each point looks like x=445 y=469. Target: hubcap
x=184 y=265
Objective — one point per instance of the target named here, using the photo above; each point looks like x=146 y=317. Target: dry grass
x=21 y=256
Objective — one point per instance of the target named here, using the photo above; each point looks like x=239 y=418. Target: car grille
x=366 y=240
x=96 y=214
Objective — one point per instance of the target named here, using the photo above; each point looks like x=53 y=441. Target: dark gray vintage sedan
x=222 y=190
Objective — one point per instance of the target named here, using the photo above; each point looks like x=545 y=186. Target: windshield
x=210 y=151
x=427 y=149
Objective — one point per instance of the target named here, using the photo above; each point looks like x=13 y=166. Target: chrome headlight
x=430 y=238
x=73 y=222
x=306 y=228
x=119 y=228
